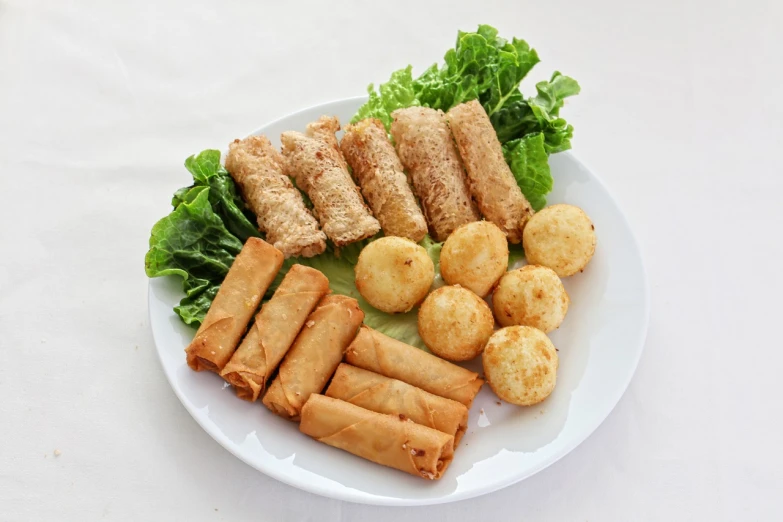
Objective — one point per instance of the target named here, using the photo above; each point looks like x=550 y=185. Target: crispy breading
x=256 y=166
x=316 y=163
x=426 y=149
x=382 y=179
x=491 y=182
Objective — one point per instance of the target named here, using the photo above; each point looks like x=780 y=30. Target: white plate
x=600 y=343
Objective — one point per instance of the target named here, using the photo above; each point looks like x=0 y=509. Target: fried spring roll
x=274 y=330
x=384 y=184
x=379 y=353
x=314 y=160
x=491 y=182
x=257 y=168
x=375 y=392
x=250 y=275
x=384 y=439
x=426 y=148
x=315 y=355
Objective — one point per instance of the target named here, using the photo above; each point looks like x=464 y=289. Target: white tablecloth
x=100 y=102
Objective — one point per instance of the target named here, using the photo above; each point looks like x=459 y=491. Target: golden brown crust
x=315 y=354
x=274 y=330
x=250 y=275
x=520 y=364
x=257 y=168
x=560 y=237
x=380 y=175
x=384 y=439
x=426 y=149
x=382 y=354
x=491 y=182
x=315 y=161
x=455 y=323
x=377 y=393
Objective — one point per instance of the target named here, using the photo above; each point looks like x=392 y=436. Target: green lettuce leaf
x=224 y=197
x=193 y=243
x=394 y=94
x=527 y=157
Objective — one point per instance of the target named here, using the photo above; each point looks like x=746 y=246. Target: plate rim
x=356 y=496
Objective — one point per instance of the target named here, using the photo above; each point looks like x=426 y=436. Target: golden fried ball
x=561 y=237
x=455 y=323
x=531 y=296
x=520 y=365
x=475 y=256
x=394 y=274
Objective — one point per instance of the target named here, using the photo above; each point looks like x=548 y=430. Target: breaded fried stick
x=426 y=148
x=314 y=160
x=491 y=182
x=256 y=166
x=383 y=182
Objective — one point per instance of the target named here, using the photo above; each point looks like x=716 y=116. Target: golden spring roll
x=314 y=160
x=384 y=184
x=250 y=275
x=315 y=355
x=426 y=148
x=375 y=392
x=384 y=439
x=257 y=168
x=379 y=353
x=274 y=330
x=491 y=182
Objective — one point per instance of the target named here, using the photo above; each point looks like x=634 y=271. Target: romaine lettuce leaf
x=394 y=94
x=193 y=243
x=224 y=197
x=201 y=237
x=527 y=157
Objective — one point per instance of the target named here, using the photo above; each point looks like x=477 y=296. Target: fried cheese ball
x=560 y=237
x=531 y=296
x=394 y=274
x=455 y=323
x=520 y=365
x=475 y=256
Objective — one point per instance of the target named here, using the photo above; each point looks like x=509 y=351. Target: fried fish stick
x=316 y=163
x=375 y=392
x=382 y=354
x=274 y=330
x=250 y=275
x=426 y=148
x=383 y=182
x=384 y=439
x=257 y=168
x=491 y=182
x=315 y=355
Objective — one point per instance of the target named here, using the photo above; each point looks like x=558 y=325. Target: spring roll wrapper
x=315 y=355
x=381 y=354
x=384 y=439
x=426 y=149
x=274 y=330
x=490 y=179
x=318 y=166
x=382 y=179
x=247 y=280
x=377 y=393
x=257 y=168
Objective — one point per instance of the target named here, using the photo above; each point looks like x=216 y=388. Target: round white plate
x=599 y=343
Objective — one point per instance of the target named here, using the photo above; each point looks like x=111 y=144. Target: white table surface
x=681 y=114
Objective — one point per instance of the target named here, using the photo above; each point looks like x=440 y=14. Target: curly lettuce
x=200 y=238
x=486 y=67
